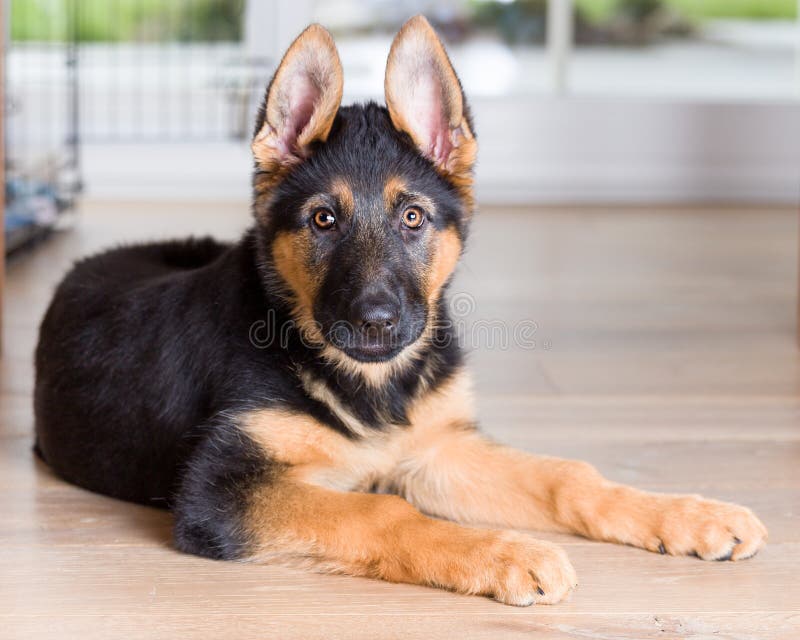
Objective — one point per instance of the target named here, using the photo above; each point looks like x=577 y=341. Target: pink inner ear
x=428 y=119
x=302 y=97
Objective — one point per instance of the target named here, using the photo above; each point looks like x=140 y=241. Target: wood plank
x=543 y=624
x=167 y=583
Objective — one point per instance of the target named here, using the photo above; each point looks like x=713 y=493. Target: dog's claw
x=706 y=529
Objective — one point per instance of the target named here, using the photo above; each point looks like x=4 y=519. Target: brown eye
x=324 y=218
x=413 y=217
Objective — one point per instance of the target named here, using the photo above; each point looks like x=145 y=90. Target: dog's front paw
x=523 y=571
x=709 y=529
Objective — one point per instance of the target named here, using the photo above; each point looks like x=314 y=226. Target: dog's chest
x=375 y=455
x=317 y=454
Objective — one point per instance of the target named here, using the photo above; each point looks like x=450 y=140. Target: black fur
x=224 y=468
x=146 y=354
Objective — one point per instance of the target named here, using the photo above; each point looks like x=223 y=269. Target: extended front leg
x=457 y=473
x=384 y=537
x=236 y=503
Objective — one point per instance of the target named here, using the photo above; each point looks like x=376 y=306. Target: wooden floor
x=664 y=354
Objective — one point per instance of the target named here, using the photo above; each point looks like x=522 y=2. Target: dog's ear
x=425 y=100
x=301 y=101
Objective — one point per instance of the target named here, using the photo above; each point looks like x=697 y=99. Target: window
x=695 y=49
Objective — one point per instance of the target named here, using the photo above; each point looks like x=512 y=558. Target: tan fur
x=443 y=466
x=417 y=47
x=290 y=251
x=313 y=56
x=382 y=536
x=446 y=254
x=394 y=188
x=344 y=195
x=308 y=517
x=376 y=374
x=317 y=453
x=458 y=474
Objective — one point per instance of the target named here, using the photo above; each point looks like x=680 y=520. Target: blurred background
x=584 y=101
x=628 y=295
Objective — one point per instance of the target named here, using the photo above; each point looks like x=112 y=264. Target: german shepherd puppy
x=326 y=440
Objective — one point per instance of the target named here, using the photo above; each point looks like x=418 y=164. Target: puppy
x=299 y=396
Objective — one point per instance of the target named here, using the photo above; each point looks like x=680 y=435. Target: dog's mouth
x=373 y=352
x=371 y=345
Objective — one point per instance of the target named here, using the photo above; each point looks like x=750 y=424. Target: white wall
x=628 y=150
x=537 y=150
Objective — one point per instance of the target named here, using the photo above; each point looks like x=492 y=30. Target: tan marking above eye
x=393 y=190
x=341 y=190
x=324 y=218
x=413 y=217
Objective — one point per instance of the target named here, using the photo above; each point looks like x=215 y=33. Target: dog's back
x=97 y=423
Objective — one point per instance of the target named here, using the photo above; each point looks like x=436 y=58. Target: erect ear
x=301 y=102
x=425 y=100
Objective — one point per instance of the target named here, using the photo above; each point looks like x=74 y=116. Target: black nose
x=375 y=312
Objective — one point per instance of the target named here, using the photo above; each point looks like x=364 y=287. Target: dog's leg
x=456 y=473
x=383 y=536
x=237 y=504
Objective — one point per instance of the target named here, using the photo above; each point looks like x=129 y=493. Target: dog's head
x=363 y=210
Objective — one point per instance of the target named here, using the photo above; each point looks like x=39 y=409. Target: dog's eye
x=413 y=217
x=324 y=218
